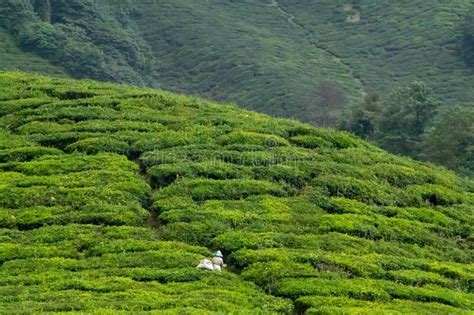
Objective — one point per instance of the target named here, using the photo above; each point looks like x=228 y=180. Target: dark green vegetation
x=282 y=57
x=450 y=140
x=12 y=57
x=77 y=37
x=309 y=219
x=467 y=40
x=411 y=122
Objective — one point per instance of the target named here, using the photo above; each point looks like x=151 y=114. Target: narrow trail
x=292 y=21
x=290 y=17
x=153 y=220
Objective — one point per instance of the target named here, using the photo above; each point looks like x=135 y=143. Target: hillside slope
x=13 y=58
x=387 y=43
x=110 y=195
x=267 y=55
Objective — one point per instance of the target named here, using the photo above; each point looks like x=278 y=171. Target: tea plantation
x=267 y=55
x=110 y=195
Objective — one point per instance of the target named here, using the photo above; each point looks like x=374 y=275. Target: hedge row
x=330 y=305
x=375 y=290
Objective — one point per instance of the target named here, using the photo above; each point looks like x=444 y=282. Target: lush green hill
x=13 y=58
x=110 y=195
x=394 y=42
x=274 y=56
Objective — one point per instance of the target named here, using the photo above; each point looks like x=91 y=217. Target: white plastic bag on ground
x=205 y=264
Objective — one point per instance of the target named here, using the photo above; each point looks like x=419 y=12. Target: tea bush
x=204 y=189
x=331 y=305
x=165 y=174
x=25 y=153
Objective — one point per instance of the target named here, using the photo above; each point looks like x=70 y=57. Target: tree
x=450 y=140
x=467 y=40
x=79 y=37
x=323 y=104
x=405 y=117
x=43 y=7
x=15 y=14
x=363 y=118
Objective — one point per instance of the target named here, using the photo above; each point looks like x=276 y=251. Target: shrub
x=363 y=289
x=311 y=142
x=236 y=240
x=63 y=164
x=418 y=277
x=205 y=189
x=366 y=191
x=344 y=205
x=195 y=233
x=426 y=215
x=165 y=174
x=95 y=145
x=253 y=138
x=331 y=305
x=377 y=227
x=26 y=153
x=268 y=275
x=435 y=195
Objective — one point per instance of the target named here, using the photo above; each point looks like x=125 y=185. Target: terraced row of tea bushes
x=314 y=221
x=330 y=258
x=373 y=224
x=331 y=305
x=72 y=239
x=303 y=213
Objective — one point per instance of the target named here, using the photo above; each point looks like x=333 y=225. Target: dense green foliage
x=408 y=123
x=450 y=140
x=406 y=115
x=364 y=118
x=74 y=35
x=467 y=40
x=270 y=55
x=310 y=220
x=12 y=57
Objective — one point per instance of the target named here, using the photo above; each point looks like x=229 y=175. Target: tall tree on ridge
x=407 y=112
